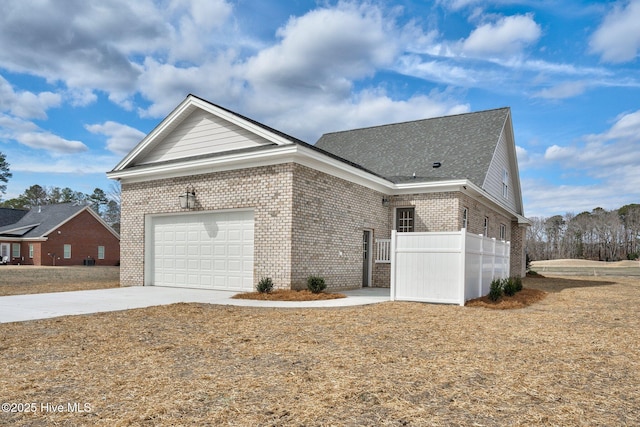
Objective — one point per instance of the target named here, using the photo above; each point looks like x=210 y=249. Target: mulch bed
x=289 y=295
x=522 y=299
x=571 y=359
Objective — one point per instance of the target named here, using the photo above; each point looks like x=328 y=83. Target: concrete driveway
x=19 y=308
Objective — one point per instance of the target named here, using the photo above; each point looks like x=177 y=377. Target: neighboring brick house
x=262 y=203
x=62 y=234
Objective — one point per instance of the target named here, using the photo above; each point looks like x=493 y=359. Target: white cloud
x=562 y=90
x=607 y=163
x=457 y=4
x=29 y=134
x=617 y=39
x=367 y=109
x=166 y=85
x=120 y=138
x=508 y=35
x=543 y=198
x=626 y=127
x=50 y=142
x=77 y=164
x=316 y=53
x=25 y=104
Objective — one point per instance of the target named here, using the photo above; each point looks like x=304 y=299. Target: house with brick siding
x=63 y=234
x=213 y=199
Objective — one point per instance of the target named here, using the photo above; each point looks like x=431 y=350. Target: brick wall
x=84 y=233
x=476 y=214
x=329 y=217
x=306 y=222
x=265 y=189
x=518 y=260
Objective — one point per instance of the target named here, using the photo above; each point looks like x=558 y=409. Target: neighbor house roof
x=11 y=216
x=462 y=144
x=40 y=221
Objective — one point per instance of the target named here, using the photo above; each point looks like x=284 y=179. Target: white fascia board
x=158 y=130
x=279 y=155
x=488 y=200
x=327 y=164
x=185 y=108
x=239 y=121
x=429 y=187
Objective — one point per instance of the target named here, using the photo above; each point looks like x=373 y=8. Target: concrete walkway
x=19 y=308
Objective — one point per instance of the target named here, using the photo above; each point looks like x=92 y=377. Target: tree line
x=600 y=235
x=107 y=205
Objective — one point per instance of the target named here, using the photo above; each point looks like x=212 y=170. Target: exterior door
x=5 y=251
x=366 y=258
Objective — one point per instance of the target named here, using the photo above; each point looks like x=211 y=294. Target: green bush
x=518 y=283
x=265 y=285
x=316 y=284
x=495 y=290
x=509 y=286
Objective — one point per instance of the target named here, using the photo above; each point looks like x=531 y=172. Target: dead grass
x=289 y=295
x=24 y=279
x=572 y=359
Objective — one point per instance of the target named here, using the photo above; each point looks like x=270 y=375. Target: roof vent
x=436 y=165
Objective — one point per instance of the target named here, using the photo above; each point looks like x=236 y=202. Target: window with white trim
x=15 y=250
x=503 y=232
x=486 y=226
x=67 y=251
x=405 y=218
x=30 y=250
x=465 y=217
x=100 y=252
x=505 y=183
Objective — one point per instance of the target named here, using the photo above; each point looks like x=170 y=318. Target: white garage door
x=204 y=250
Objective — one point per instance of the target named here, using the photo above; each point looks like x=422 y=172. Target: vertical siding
x=202 y=133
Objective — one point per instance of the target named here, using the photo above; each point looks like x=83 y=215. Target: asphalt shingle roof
x=463 y=144
x=41 y=220
x=11 y=216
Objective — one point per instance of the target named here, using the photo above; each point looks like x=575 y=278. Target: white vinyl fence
x=448 y=267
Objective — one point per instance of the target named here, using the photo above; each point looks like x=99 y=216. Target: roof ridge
x=416 y=121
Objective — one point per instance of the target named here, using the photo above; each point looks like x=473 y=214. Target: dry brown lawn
x=572 y=359
x=24 y=279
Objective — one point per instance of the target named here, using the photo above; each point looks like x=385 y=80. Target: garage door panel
x=208 y=250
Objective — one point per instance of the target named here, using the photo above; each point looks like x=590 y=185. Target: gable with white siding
x=202 y=133
x=504 y=187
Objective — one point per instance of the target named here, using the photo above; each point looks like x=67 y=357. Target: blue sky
x=82 y=81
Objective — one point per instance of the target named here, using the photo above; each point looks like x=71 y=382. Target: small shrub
x=316 y=284
x=509 y=286
x=265 y=285
x=518 y=283
x=495 y=290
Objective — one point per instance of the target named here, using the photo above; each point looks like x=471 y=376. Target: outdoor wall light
x=188 y=199
x=385 y=201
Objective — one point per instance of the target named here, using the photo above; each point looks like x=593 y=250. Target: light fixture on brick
x=188 y=199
